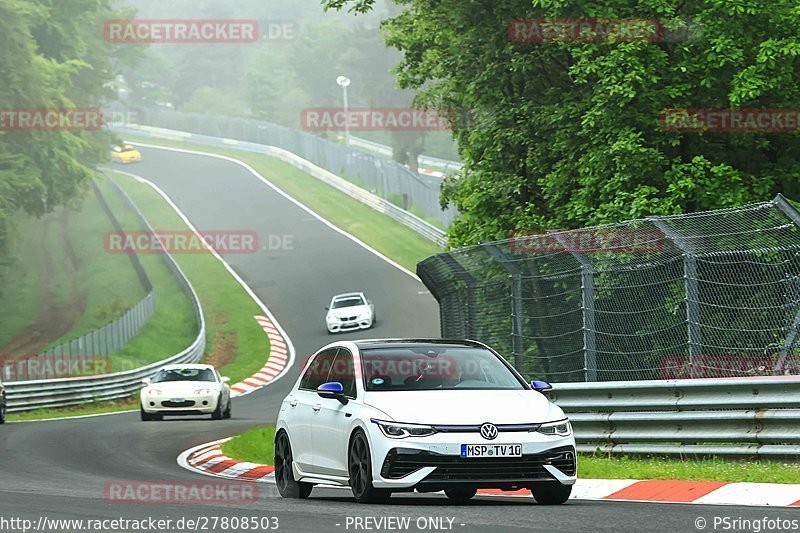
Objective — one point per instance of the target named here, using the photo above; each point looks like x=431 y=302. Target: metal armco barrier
x=410 y=220
x=49 y=393
x=749 y=416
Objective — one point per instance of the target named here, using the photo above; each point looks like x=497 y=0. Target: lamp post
x=344 y=82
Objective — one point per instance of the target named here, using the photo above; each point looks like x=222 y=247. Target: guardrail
x=110 y=338
x=739 y=416
x=43 y=394
x=410 y=220
x=424 y=161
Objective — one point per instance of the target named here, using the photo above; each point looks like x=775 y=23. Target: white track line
x=290 y=198
x=232 y=272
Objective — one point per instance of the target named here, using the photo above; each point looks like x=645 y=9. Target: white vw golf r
x=383 y=416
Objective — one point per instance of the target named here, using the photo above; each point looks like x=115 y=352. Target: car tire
x=3 y=413
x=552 y=494
x=284 y=475
x=228 y=409
x=460 y=494
x=218 y=414
x=359 y=467
x=146 y=417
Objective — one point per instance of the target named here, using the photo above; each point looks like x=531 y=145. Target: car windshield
x=184 y=374
x=350 y=301
x=435 y=367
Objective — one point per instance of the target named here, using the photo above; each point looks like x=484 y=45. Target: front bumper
x=187 y=405
x=350 y=325
x=434 y=463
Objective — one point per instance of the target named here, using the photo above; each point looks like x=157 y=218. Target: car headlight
x=155 y=392
x=561 y=428
x=202 y=391
x=396 y=430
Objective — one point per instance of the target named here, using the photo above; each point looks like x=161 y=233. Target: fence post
x=587 y=308
x=791 y=336
x=694 y=333
x=518 y=346
x=517 y=309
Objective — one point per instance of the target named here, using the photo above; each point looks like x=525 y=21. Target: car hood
x=183 y=387
x=348 y=311
x=465 y=407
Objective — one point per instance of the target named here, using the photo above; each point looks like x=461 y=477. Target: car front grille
x=348 y=318
x=402 y=462
x=185 y=403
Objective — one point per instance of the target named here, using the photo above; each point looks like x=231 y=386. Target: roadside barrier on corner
x=725 y=416
x=62 y=392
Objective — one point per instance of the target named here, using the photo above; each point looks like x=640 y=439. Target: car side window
x=343 y=371
x=317 y=372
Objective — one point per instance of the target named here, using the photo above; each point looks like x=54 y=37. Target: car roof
x=187 y=366
x=367 y=344
x=346 y=295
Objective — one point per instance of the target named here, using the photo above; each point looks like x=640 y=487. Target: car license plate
x=177 y=400
x=491 y=450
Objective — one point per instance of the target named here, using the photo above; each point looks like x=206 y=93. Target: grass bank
x=377 y=230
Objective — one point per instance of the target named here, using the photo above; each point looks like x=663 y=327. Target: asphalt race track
x=58 y=469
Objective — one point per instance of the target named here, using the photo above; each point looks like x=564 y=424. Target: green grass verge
x=236 y=344
x=173 y=327
x=377 y=230
x=112 y=406
x=256 y=445
x=23 y=293
x=60 y=257
x=710 y=469
x=233 y=336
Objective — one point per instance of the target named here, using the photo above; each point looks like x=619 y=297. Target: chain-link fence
x=711 y=294
x=380 y=175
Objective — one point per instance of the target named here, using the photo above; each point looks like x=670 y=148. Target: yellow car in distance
x=125 y=154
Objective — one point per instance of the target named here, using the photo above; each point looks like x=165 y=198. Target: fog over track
x=59 y=469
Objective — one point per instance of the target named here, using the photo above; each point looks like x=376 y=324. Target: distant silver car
x=350 y=311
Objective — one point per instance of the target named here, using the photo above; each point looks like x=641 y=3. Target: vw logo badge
x=489 y=431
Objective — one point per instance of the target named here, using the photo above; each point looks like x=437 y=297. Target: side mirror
x=541 y=386
x=327 y=308
x=146 y=381
x=225 y=379
x=332 y=391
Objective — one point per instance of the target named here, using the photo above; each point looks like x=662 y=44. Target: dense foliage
x=52 y=56
x=565 y=134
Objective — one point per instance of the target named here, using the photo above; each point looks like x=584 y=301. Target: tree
x=51 y=57
x=567 y=133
